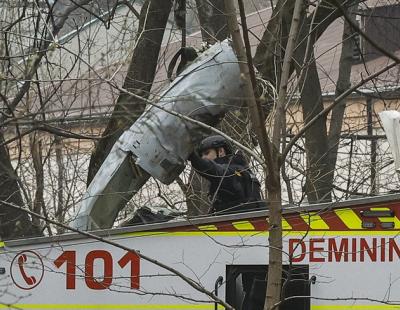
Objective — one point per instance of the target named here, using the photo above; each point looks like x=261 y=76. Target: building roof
x=94 y=98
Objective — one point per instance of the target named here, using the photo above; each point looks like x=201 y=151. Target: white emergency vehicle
x=336 y=256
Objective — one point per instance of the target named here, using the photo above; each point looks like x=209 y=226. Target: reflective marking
x=2 y=244
x=286 y=225
x=314 y=221
x=243 y=225
x=109 y=306
x=393 y=219
x=208 y=227
x=201 y=233
x=349 y=218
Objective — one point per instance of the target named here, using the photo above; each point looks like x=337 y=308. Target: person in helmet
x=233 y=186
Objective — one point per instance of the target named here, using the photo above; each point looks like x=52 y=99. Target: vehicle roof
x=204 y=220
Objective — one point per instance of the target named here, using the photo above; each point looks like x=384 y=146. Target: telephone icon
x=30 y=280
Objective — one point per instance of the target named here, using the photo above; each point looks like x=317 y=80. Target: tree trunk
x=267 y=49
x=272 y=159
x=38 y=203
x=318 y=187
x=322 y=150
x=316 y=139
x=61 y=207
x=274 y=278
x=13 y=223
x=273 y=186
x=139 y=79
x=267 y=57
x=212 y=20
x=343 y=83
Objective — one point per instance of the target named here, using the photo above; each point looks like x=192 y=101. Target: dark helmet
x=214 y=142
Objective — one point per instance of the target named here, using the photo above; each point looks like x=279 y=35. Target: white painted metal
x=391 y=125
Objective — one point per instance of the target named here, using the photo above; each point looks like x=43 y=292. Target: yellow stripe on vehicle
x=314 y=221
x=349 y=218
x=200 y=233
x=243 y=225
x=208 y=227
x=286 y=225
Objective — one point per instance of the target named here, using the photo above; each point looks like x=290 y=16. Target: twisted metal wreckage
x=160 y=141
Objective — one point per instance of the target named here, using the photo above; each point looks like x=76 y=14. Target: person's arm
x=207 y=168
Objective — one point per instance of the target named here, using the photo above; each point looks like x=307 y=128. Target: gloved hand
x=193 y=156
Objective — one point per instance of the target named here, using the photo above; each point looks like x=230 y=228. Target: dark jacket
x=233 y=187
